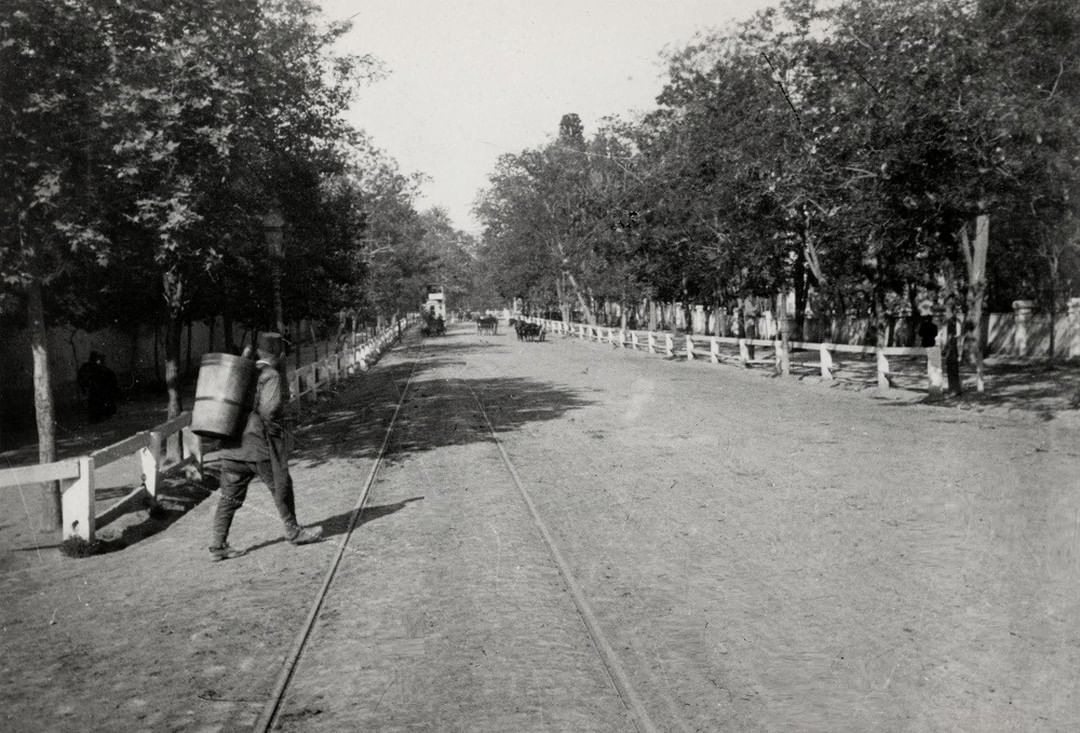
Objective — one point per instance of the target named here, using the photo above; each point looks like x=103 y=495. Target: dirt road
x=759 y=554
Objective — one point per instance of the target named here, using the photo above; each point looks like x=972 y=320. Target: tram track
x=482 y=424
x=269 y=714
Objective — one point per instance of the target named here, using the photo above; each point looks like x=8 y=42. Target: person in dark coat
x=99 y=388
x=261 y=449
x=928 y=332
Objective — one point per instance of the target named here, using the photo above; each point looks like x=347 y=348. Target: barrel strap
x=222 y=399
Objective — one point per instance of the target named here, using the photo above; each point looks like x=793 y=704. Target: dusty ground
x=763 y=554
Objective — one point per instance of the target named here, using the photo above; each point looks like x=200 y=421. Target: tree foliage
x=839 y=152
x=141 y=144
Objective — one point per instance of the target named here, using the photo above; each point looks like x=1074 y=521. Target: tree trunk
x=801 y=285
x=133 y=358
x=51 y=517
x=174 y=289
x=187 y=361
x=915 y=318
x=1053 y=316
x=586 y=311
x=564 y=304
x=975 y=256
x=173 y=333
x=296 y=346
x=880 y=319
x=227 y=328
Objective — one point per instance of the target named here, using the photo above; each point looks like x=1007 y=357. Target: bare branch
x=1053 y=90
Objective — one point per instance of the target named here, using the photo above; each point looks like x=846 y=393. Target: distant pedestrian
x=260 y=450
x=99 y=388
x=928 y=332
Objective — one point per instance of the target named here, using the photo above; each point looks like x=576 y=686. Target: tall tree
x=52 y=58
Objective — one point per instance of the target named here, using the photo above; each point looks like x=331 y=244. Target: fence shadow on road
x=1042 y=391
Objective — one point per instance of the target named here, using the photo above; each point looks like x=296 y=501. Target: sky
x=470 y=80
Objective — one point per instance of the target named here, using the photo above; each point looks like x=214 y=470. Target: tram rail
x=617 y=674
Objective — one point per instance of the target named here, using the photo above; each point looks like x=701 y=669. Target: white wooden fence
x=723 y=349
x=171 y=445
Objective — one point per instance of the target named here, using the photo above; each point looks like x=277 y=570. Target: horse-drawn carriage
x=487 y=324
x=433 y=325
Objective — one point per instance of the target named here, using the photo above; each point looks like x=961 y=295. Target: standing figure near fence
x=99 y=388
x=260 y=450
x=928 y=331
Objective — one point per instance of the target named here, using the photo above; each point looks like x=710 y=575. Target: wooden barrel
x=223 y=395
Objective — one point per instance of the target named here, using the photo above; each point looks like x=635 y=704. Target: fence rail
x=742 y=351
x=171 y=445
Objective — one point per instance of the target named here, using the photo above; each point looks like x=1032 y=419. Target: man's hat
x=270 y=342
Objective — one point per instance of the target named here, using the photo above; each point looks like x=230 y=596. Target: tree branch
x=783 y=90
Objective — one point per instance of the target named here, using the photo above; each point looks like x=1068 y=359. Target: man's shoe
x=217 y=554
x=306 y=535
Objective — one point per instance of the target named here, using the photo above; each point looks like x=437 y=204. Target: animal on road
x=528 y=331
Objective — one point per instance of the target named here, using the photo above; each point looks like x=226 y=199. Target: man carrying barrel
x=260 y=450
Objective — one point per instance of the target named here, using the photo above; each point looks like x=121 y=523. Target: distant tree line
x=141 y=145
x=853 y=156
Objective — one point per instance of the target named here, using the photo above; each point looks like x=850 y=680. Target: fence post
x=634 y=340
x=150 y=460
x=714 y=350
x=826 y=361
x=783 y=342
x=933 y=373
x=689 y=348
x=1074 y=327
x=77 y=502
x=193 y=446
x=744 y=353
x=652 y=342
x=883 y=372
x=1022 y=310
x=669 y=344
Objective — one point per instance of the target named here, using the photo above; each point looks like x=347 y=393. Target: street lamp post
x=273 y=228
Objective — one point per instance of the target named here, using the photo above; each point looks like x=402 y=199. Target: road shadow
x=1042 y=390
x=435 y=413
x=139 y=519
x=459 y=343
x=338 y=524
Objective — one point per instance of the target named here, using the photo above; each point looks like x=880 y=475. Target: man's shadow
x=339 y=523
